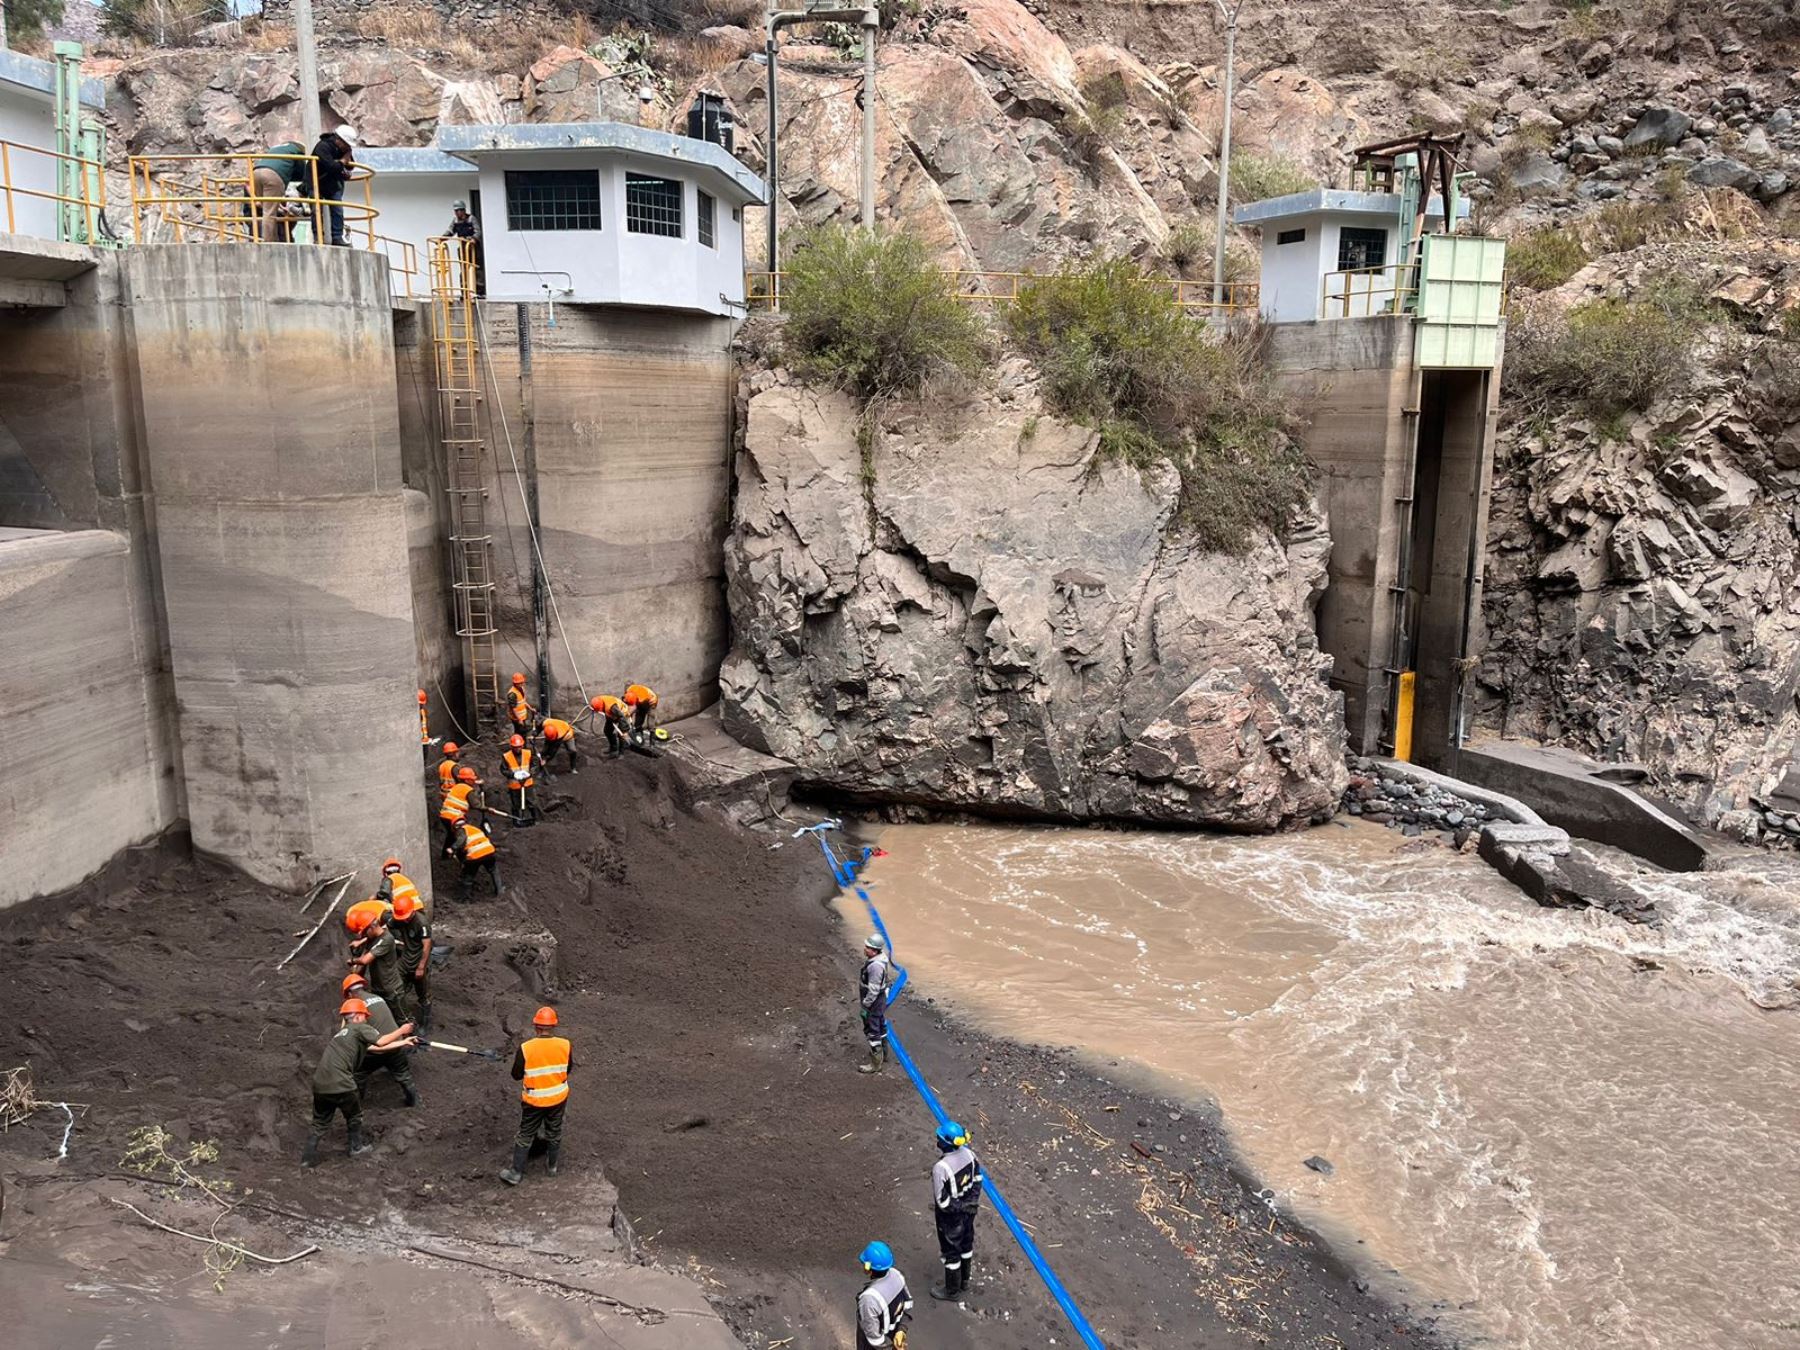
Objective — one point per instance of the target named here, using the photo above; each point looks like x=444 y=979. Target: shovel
x=460 y=1050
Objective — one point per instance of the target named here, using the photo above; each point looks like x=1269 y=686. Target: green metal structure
x=80 y=157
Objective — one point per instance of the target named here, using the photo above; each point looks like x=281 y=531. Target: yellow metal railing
x=763 y=290
x=214 y=198
x=91 y=199
x=1367 y=292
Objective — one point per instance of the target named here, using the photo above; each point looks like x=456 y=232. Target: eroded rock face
x=984 y=619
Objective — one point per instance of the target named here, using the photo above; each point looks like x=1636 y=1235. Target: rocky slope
x=973 y=614
x=1643 y=593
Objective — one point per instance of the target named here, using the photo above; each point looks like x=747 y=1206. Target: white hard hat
x=344 y=131
x=875 y=943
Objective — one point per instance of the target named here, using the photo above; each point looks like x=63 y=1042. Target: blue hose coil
x=845 y=875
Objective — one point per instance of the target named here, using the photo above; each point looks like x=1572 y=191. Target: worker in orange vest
x=360 y=918
x=478 y=854
x=518 y=708
x=519 y=782
x=640 y=699
x=426 y=739
x=461 y=801
x=541 y=1067
x=559 y=736
x=447 y=766
x=613 y=717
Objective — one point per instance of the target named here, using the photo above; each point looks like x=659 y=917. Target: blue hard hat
x=877 y=1259
x=951 y=1135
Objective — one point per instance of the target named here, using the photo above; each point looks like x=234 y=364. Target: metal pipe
x=871 y=26
x=540 y=615
x=772 y=163
x=308 y=52
x=1231 y=21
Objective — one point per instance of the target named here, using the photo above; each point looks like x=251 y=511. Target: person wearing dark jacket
x=336 y=156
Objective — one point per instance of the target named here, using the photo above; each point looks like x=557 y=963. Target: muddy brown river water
x=1572 y=1132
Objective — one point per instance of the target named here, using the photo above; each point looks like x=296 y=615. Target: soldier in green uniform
x=381 y=1017
x=334 y=1081
x=380 y=961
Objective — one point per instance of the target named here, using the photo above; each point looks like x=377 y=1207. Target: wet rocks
x=1378 y=794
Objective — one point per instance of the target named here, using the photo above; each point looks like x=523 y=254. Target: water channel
x=1571 y=1131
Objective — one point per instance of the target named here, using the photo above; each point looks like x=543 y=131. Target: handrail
x=1367 y=292
x=215 y=198
x=92 y=204
x=763 y=290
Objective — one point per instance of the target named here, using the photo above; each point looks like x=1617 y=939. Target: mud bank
x=704 y=979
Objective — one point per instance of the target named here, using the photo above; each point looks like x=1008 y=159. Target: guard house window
x=552 y=199
x=1291 y=237
x=1360 y=250
x=652 y=205
x=703 y=218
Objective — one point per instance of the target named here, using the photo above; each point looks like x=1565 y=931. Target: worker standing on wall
x=640 y=701
x=518 y=708
x=269 y=181
x=615 y=719
x=559 y=737
x=883 y=1305
x=465 y=226
x=956 y=1199
x=873 y=983
x=411 y=927
x=520 y=781
x=477 y=853
x=334 y=1080
x=336 y=156
x=383 y=1019
x=541 y=1068
x=426 y=739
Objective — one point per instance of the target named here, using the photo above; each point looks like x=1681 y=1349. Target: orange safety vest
x=517 y=706
x=611 y=707
x=555 y=729
x=400 y=884
x=546 y=1080
x=516 y=760
x=424 y=727
x=639 y=693
x=476 y=843
x=456 y=802
x=447 y=768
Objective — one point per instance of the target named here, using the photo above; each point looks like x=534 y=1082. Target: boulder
x=1537 y=172
x=1658 y=128
x=988 y=622
x=1722 y=171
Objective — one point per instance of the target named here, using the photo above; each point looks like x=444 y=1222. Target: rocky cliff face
x=1643 y=587
x=972 y=614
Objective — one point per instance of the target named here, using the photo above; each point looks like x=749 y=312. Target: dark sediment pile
x=705 y=985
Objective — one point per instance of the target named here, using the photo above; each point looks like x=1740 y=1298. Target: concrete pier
x=272 y=443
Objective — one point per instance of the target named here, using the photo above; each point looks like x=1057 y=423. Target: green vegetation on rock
x=1118 y=354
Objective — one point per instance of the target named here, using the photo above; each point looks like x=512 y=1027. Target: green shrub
x=1118 y=354
x=26 y=20
x=1256 y=178
x=873 y=313
x=1188 y=244
x=163 y=23
x=1543 y=258
x=1607 y=357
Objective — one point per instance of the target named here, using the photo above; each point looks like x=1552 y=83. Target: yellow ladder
x=456 y=334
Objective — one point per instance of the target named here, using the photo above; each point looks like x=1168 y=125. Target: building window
x=1361 y=250
x=703 y=219
x=1291 y=237
x=652 y=205
x=552 y=199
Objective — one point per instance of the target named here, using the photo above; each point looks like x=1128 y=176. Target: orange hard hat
x=450 y=748
x=391 y=865
x=518 y=678
x=598 y=702
x=363 y=913
x=407 y=905
x=353 y=1005
x=467 y=776
x=517 y=742
x=422 y=697
x=351 y=980
x=546 y=1017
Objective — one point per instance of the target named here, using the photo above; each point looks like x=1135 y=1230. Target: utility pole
x=819 y=11
x=1230 y=15
x=309 y=73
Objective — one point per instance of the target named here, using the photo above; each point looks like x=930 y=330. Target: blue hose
x=845 y=875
